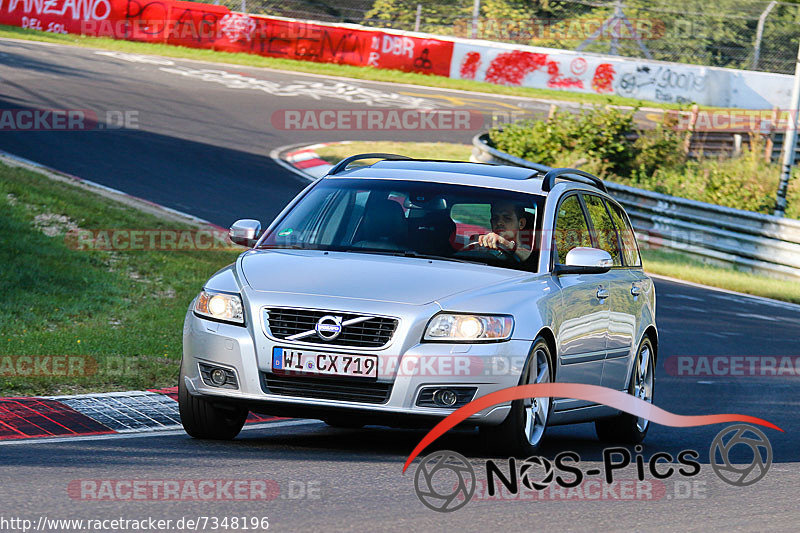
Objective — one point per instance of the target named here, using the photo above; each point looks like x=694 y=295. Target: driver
x=508 y=220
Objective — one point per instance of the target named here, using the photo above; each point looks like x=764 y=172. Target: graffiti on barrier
x=603 y=80
x=316 y=90
x=512 y=68
x=74 y=9
x=664 y=83
x=237 y=27
x=470 y=65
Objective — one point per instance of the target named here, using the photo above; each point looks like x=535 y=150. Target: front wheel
x=627 y=428
x=203 y=420
x=522 y=432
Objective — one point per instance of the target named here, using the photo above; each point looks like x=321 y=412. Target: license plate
x=328 y=364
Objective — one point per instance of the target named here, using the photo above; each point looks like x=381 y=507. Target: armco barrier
x=200 y=25
x=750 y=241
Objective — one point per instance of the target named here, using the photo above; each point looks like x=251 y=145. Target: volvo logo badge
x=328 y=327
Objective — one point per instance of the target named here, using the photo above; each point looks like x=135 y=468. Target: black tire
x=343 y=422
x=626 y=428
x=510 y=438
x=202 y=420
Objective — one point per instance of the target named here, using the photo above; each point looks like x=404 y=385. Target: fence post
x=419 y=15
x=760 y=33
x=476 y=11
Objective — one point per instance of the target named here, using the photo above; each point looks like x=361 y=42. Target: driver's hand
x=494 y=241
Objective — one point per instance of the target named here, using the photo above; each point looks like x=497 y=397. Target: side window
x=571 y=229
x=629 y=248
x=604 y=230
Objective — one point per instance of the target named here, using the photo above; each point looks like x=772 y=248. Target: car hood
x=393 y=279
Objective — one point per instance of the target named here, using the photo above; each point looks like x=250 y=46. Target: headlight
x=469 y=328
x=220 y=306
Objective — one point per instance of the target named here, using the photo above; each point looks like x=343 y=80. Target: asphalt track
x=202 y=147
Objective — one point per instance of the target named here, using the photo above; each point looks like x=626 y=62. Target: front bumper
x=408 y=366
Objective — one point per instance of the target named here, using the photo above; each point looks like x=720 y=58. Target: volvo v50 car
x=397 y=292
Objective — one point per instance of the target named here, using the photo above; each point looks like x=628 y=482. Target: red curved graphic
x=592 y=393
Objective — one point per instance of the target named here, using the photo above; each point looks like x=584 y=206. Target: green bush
x=605 y=141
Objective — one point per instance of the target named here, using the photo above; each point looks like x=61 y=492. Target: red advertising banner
x=200 y=25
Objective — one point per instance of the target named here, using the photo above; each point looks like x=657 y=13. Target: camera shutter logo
x=328 y=327
x=445 y=481
x=741 y=435
x=526 y=473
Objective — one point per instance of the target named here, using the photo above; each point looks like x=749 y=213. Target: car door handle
x=602 y=293
x=636 y=290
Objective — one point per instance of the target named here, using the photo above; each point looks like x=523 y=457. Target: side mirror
x=245 y=232
x=584 y=260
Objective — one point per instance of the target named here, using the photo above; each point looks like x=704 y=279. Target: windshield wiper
x=411 y=253
x=285 y=247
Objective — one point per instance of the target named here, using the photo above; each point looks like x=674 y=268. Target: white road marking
x=347 y=92
x=758 y=317
x=685 y=308
x=29 y=41
x=683 y=297
x=136 y=58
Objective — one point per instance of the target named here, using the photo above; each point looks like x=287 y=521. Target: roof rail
x=571 y=174
x=341 y=166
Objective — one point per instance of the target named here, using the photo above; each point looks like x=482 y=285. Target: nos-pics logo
x=445 y=481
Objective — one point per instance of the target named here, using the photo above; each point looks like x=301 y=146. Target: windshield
x=414 y=219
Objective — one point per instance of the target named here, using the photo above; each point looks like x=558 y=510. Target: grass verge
x=119 y=314
x=665 y=263
x=329 y=69
x=454 y=151
x=681 y=266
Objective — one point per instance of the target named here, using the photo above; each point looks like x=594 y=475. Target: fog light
x=218 y=377
x=445 y=397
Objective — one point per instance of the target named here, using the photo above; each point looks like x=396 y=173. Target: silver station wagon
x=394 y=293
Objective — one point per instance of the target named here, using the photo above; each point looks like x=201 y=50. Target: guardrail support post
x=687 y=142
x=789 y=141
x=770 y=134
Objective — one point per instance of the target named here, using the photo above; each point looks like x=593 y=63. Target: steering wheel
x=500 y=252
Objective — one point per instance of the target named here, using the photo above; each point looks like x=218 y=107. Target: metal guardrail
x=750 y=241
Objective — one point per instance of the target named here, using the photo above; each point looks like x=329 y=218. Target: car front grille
x=332 y=388
x=374 y=332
